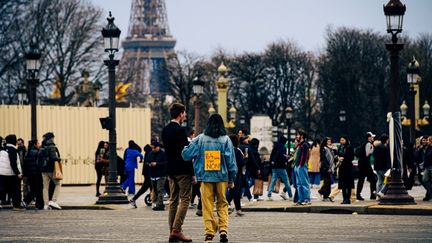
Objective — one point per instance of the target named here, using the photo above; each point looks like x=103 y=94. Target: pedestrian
x=381 y=160
x=100 y=152
x=215 y=167
x=419 y=157
x=157 y=171
x=252 y=167
x=326 y=168
x=180 y=172
x=279 y=162
x=301 y=168
x=254 y=145
x=10 y=171
x=365 y=168
x=22 y=150
x=427 y=173
x=345 y=177
x=48 y=155
x=32 y=172
x=145 y=172
x=409 y=168
x=235 y=192
x=314 y=163
x=131 y=154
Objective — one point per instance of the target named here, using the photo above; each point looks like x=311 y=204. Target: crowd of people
x=31 y=174
x=218 y=169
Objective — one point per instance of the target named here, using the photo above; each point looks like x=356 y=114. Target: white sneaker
x=284 y=196
x=46 y=207
x=54 y=205
x=269 y=199
x=260 y=199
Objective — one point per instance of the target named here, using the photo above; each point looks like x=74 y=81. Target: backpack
x=43 y=158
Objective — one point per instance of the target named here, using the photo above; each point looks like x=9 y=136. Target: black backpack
x=43 y=158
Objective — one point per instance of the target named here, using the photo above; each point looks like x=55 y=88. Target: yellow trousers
x=335 y=191
x=210 y=191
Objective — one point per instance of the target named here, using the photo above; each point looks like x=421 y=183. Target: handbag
x=277 y=184
x=57 y=173
x=258 y=187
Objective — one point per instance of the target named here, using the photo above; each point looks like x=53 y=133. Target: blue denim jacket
x=196 y=150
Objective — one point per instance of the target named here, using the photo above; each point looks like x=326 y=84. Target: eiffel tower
x=146 y=48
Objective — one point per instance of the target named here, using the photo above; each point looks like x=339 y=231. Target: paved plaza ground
x=145 y=225
x=265 y=221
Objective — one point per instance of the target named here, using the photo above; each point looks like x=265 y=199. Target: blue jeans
x=282 y=174
x=427 y=180
x=315 y=178
x=302 y=181
x=129 y=182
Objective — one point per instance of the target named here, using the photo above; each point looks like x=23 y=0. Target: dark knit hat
x=48 y=135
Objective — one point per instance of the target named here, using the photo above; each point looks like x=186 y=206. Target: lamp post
x=222 y=85
x=342 y=119
x=413 y=78
x=32 y=67
x=198 y=90
x=22 y=94
x=396 y=194
x=113 y=192
x=289 y=117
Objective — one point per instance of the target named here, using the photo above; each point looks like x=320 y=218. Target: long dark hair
x=316 y=142
x=324 y=142
x=215 y=126
x=100 y=145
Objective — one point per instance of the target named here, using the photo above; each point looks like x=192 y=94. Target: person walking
x=157 y=171
x=99 y=154
x=131 y=155
x=180 y=172
x=326 y=168
x=301 y=168
x=345 y=176
x=235 y=192
x=427 y=173
x=314 y=163
x=33 y=174
x=22 y=150
x=216 y=169
x=365 y=167
x=145 y=172
x=10 y=172
x=279 y=162
x=382 y=161
x=47 y=157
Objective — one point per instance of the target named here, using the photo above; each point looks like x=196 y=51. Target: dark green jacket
x=49 y=149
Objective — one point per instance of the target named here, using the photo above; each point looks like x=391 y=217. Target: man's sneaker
x=199 y=212
x=54 y=205
x=379 y=195
x=223 y=236
x=284 y=196
x=46 y=207
x=208 y=239
x=269 y=198
x=132 y=203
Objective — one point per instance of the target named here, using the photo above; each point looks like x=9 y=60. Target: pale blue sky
x=202 y=26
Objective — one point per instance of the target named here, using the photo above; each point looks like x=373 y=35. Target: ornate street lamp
x=289 y=116
x=22 y=94
x=198 y=90
x=113 y=193
x=32 y=66
x=426 y=110
x=413 y=78
x=396 y=194
x=232 y=117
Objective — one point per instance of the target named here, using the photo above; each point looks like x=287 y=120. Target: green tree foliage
x=353 y=76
